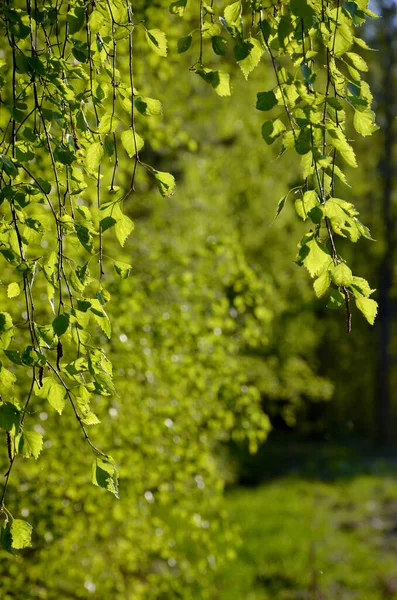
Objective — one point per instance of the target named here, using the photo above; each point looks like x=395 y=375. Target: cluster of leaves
x=308 y=114
x=67 y=108
x=70 y=104
x=188 y=326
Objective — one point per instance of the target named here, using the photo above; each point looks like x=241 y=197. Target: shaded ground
x=326 y=533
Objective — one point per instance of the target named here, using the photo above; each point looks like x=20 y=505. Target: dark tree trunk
x=388 y=33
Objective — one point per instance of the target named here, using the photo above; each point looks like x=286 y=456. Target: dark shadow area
x=290 y=454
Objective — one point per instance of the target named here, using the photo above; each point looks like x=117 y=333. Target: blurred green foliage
x=216 y=335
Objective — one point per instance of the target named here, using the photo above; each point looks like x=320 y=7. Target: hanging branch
x=60 y=133
x=315 y=121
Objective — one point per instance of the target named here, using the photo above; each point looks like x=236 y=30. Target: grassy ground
x=312 y=539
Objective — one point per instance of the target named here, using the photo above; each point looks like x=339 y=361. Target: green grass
x=307 y=539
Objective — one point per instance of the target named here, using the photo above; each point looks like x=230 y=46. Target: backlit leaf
x=132 y=143
x=30 y=444
x=219 y=80
x=368 y=307
x=178 y=7
x=105 y=475
x=321 y=284
x=123 y=228
x=364 y=122
x=341 y=274
x=6 y=330
x=232 y=13
x=248 y=55
x=315 y=257
x=18 y=533
x=93 y=157
x=122 y=269
x=13 y=290
x=157 y=41
x=53 y=392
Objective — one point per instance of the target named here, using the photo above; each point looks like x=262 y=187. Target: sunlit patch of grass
x=306 y=539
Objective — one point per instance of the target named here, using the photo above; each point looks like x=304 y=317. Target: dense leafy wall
x=81 y=133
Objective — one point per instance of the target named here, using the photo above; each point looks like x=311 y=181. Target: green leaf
x=83 y=305
x=61 y=323
x=338 y=140
x=96 y=21
x=148 y=106
x=122 y=269
x=184 y=44
x=178 y=7
x=365 y=232
x=341 y=274
x=308 y=202
x=285 y=28
x=248 y=55
x=45 y=185
x=14 y=356
x=361 y=287
x=90 y=419
x=132 y=143
x=157 y=41
x=303 y=144
x=80 y=51
x=7 y=379
x=357 y=61
x=64 y=154
x=108 y=123
x=165 y=182
x=321 y=284
x=13 y=290
x=340 y=174
x=9 y=416
x=342 y=40
x=84 y=236
x=364 y=122
x=219 y=44
x=280 y=205
x=266 y=100
x=30 y=444
x=93 y=157
x=100 y=316
x=123 y=228
x=105 y=475
x=362 y=43
x=336 y=208
x=107 y=222
x=18 y=534
x=6 y=330
x=232 y=13
x=8 y=165
x=53 y=392
x=219 y=80
x=271 y=130
x=6 y=538
x=314 y=256
x=101 y=372
x=301 y=9
x=32 y=357
x=75 y=19
x=354 y=88
x=368 y=307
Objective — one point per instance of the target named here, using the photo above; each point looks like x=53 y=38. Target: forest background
x=218 y=340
